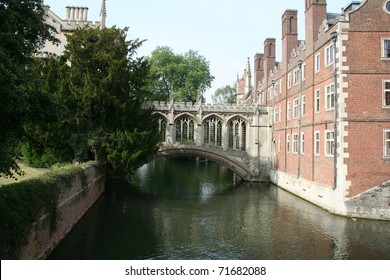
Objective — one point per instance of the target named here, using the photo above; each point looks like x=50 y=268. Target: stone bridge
x=234 y=136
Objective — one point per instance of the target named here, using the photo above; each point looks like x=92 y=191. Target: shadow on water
x=180 y=209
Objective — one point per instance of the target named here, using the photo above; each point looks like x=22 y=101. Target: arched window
x=237 y=134
x=213 y=131
x=162 y=128
x=184 y=130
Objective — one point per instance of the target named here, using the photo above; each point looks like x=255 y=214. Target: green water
x=182 y=209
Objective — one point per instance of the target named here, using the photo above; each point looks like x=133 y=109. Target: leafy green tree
x=22 y=29
x=225 y=95
x=98 y=87
x=186 y=75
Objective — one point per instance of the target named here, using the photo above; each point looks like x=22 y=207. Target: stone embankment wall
x=372 y=204
x=75 y=198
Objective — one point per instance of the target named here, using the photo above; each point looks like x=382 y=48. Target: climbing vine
x=23 y=203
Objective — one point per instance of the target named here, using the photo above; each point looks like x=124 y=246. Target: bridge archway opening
x=240 y=170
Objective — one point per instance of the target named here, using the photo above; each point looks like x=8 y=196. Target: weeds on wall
x=23 y=204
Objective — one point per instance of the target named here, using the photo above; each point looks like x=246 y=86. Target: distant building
x=329 y=100
x=244 y=87
x=76 y=17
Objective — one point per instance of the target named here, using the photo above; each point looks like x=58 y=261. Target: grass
x=30 y=172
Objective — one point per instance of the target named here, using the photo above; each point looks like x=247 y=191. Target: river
x=185 y=209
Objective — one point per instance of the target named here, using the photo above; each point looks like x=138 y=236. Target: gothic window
x=162 y=128
x=213 y=131
x=237 y=134
x=184 y=130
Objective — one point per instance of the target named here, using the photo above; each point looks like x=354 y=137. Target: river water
x=183 y=209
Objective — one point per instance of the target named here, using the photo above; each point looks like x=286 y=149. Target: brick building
x=330 y=93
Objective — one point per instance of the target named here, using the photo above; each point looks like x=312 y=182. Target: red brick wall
x=365 y=114
x=74 y=202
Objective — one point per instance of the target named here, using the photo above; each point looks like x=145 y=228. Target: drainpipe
x=273 y=123
x=334 y=39
x=300 y=117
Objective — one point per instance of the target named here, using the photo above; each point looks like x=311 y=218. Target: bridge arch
x=238 y=168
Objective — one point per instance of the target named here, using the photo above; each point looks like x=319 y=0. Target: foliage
x=186 y=75
x=225 y=95
x=23 y=203
x=95 y=92
x=21 y=30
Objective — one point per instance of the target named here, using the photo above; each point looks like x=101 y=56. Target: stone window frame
x=386 y=143
x=317 y=101
x=329 y=143
x=162 y=128
x=302 y=143
x=384 y=41
x=317 y=143
x=317 y=62
x=295 y=143
x=288 y=143
x=289 y=110
x=329 y=55
x=295 y=108
x=296 y=76
x=385 y=91
x=289 y=80
x=329 y=100
x=303 y=106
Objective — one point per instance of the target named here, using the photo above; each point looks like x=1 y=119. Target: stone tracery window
x=237 y=134
x=213 y=131
x=162 y=128
x=184 y=130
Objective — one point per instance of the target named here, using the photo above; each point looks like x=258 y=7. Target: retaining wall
x=74 y=201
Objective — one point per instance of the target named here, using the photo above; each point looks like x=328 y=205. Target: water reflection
x=180 y=209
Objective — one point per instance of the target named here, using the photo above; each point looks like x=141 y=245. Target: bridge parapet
x=206 y=108
x=241 y=133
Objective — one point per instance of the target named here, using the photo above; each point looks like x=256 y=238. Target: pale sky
x=225 y=32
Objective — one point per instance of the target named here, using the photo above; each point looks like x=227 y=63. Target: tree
x=22 y=29
x=225 y=95
x=98 y=91
x=186 y=75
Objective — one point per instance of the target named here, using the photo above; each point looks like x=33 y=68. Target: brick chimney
x=289 y=35
x=258 y=69
x=315 y=14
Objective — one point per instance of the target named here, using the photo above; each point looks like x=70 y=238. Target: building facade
x=76 y=17
x=329 y=102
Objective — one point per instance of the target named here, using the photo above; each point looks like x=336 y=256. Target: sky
x=225 y=32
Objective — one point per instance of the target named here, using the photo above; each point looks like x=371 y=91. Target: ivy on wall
x=23 y=203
